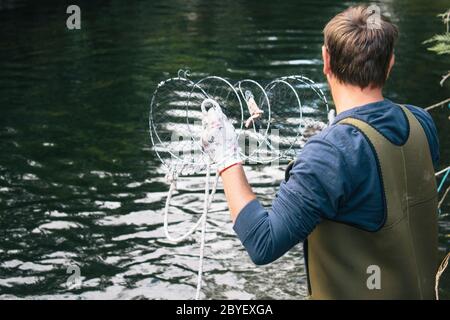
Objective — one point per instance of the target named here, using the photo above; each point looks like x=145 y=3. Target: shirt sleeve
x=314 y=190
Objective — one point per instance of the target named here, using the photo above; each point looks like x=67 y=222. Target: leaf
x=441 y=43
x=440 y=48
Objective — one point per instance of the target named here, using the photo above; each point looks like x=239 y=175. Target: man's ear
x=391 y=64
x=326 y=61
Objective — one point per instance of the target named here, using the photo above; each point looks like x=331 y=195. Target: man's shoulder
x=346 y=143
x=349 y=141
x=421 y=114
x=337 y=132
x=338 y=135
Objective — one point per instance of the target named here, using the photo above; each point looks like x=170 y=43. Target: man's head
x=357 y=52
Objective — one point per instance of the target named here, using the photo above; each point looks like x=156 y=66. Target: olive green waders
x=342 y=260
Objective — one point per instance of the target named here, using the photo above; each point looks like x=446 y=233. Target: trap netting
x=272 y=121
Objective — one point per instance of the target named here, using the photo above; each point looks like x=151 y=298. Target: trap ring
x=313 y=85
x=217 y=99
x=282 y=154
x=160 y=145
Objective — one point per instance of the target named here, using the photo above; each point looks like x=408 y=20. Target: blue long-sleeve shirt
x=335 y=176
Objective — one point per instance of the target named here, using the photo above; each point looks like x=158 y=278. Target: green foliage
x=441 y=42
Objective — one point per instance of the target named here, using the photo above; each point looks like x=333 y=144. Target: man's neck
x=346 y=97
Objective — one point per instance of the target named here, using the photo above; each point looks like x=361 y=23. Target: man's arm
x=313 y=190
x=237 y=190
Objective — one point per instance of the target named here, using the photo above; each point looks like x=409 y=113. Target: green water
x=79 y=183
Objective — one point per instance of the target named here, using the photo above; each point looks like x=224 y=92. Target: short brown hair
x=360 y=53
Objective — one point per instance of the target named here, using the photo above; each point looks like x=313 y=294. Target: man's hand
x=220 y=142
x=219 y=139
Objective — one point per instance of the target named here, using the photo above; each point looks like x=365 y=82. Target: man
x=362 y=194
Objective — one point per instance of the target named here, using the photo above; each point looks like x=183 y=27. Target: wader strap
x=391 y=169
x=403 y=184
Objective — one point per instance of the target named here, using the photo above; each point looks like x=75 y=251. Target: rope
x=444 y=262
x=443 y=198
x=441 y=185
x=442 y=171
x=253 y=109
x=202 y=238
x=443 y=179
x=440 y=271
x=201 y=221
